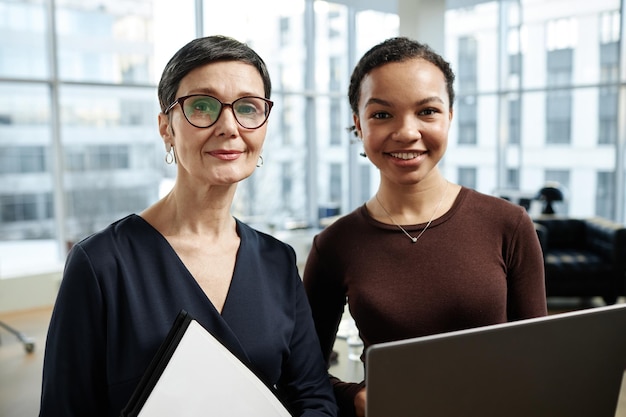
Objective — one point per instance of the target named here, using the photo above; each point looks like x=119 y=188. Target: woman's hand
x=359 y=402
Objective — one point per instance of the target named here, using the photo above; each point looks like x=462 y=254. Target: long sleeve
x=328 y=298
x=306 y=386
x=525 y=273
x=74 y=374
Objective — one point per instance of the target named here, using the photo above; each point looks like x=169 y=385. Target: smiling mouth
x=406 y=155
x=226 y=155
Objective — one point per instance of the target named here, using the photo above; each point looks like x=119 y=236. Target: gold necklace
x=414 y=239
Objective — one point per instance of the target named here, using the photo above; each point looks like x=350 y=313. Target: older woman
x=124 y=286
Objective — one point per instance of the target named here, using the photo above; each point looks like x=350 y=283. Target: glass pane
x=551 y=121
x=331 y=49
x=387 y=25
x=276 y=33
x=23 y=48
x=472 y=45
x=113 y=154
x=173 y=26
x=332 y=167
x=27 y=222
x=275 y=196
x=110 y=43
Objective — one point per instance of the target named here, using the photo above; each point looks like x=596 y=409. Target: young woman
x=423 y=255
x=124 y=286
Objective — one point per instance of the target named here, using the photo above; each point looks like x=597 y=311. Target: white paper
x=620 y=411
x=203 y=378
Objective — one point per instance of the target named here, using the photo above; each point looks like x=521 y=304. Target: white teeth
x=405 y=155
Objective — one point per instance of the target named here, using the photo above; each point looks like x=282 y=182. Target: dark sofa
x=583 y=257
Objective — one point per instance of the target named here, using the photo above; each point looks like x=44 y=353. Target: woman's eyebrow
x=374 y=100
x=212 y=92
x=426 y=100
x=201 y=91
x=429 y=100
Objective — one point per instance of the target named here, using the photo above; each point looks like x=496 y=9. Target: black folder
x=193 y=374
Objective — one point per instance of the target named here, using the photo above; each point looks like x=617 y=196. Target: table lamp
x=550 y=193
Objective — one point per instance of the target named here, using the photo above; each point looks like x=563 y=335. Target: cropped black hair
x=202 y=51
x=396 y=49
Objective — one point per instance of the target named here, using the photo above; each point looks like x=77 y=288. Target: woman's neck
x=186 y=212
x=414 y=204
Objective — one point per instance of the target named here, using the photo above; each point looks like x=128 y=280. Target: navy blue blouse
x=122 y=289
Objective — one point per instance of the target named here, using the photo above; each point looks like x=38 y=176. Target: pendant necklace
x=413 y=238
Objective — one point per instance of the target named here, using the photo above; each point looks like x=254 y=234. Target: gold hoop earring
x=260 y=163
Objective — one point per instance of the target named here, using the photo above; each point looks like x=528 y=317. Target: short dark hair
x=396 y=49
x=202 y=51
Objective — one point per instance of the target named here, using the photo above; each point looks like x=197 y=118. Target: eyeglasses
x=203 y=111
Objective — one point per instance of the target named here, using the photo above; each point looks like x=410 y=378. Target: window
x=608 y=93
x=110 y=59
x=562 y=34
x=90 y=207
x=23 y=159
x=109 y=44
x=512 y=179
x=514 y=120
x=559 y=99
x=336 y=74
x=466 y=115
x=335 y=183
x=467 y=177
x=467 y=72
x=610 y=27
x=97 y=158
x=284 y=30
x=335 y=24
x=604 y=195
x=337 y=129
x=364 y=176
x=21 y=207
x=106 y=157
x=24 y=109
x=27 y=58
x=286 y=179
x=515 y=70
x=287 y=121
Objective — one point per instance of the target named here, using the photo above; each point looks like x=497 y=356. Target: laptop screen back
x=568 y=364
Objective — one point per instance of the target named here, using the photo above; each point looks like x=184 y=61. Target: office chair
x=29 y=344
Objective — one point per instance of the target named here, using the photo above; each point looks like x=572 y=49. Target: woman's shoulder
x=119 y=232
x=479 y=207
x=127 y=241
x=344 y=229
x=347 y=221
x=486 y=201
x=261 y=239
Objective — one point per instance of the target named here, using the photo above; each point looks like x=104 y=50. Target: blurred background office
x=541 y=98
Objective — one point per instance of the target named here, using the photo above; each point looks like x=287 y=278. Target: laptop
x=564 y=365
